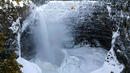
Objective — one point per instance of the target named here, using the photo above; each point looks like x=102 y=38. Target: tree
x=8 y=63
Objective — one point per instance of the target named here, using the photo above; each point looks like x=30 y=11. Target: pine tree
x=8 y=63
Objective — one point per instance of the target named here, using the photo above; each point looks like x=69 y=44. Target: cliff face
x=120 y=13
x=93 y=27
x=11 y=17
x=28 y=47
x=97 y=28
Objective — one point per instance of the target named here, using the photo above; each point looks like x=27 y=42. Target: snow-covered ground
x=28 y=67
x=111 y=65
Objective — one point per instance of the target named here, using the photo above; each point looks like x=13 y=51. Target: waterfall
x=45 y=48
x=50 y=34
x=20 y=29
x=50 y=31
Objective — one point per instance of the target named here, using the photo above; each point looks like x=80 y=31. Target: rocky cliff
x=97 y=25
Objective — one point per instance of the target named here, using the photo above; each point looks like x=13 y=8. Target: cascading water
x=46 y=52
x=50 y=33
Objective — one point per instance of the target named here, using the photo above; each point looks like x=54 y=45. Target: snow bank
x=15 y=25
x=110 y=68
x=111 y=64
x=28 y=67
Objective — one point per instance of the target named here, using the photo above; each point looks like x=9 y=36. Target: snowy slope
x=111 y=64
x=28 y=67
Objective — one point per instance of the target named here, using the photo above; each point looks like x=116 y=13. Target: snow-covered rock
x=15 y=25
x=111 y=64
x=28 y=67
x=21 y=3
x=0 y=7
x=107 y=68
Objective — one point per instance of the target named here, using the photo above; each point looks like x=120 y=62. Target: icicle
x=19 y=46
x=109 y=10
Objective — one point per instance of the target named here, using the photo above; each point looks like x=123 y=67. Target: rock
x=101 y=23
x=94 y=27
x=28 y=47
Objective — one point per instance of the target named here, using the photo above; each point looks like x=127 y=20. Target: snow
x=109 y=10
x=28 y=67
x=115 y=35
x=14 y=3
x=19 y=45
x=6 y=6
x=6 y=0
x=15 y=25
x=122 y=14
x=111 y=65
x=0 y=7
x=109 y=69
x=128 y=17
x=21 y=3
